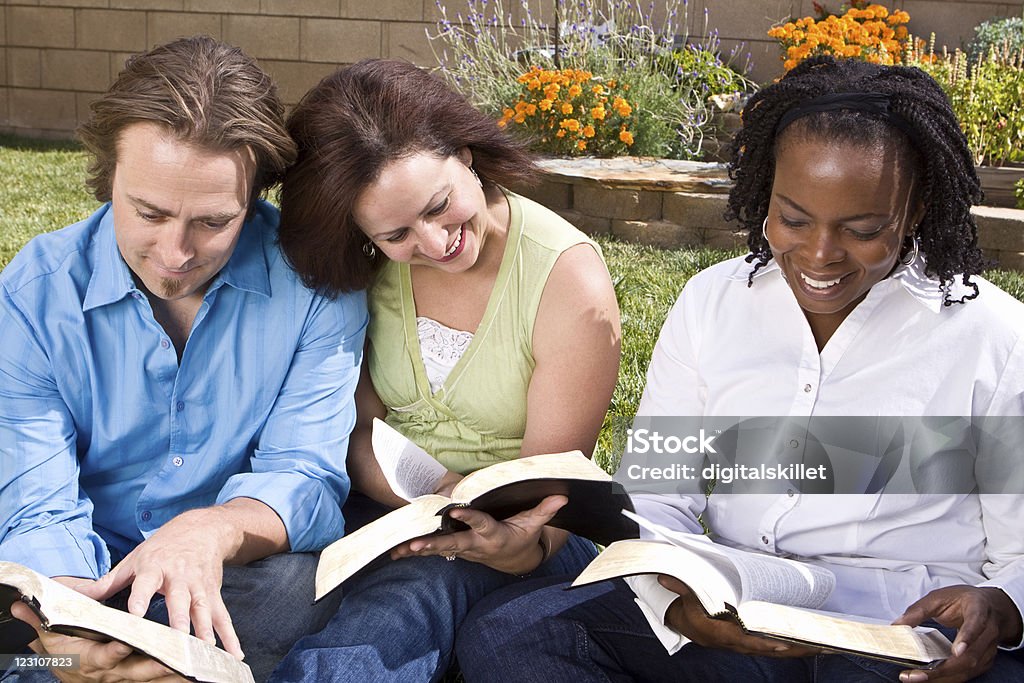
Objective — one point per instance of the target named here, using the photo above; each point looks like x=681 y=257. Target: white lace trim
x=441 y=348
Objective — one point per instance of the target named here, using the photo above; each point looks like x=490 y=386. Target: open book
x=766 y=595
x=66 y=611
x=501 y=490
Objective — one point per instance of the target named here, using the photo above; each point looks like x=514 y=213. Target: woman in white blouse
x=864 y=299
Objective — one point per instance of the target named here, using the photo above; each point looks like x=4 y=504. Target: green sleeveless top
x=478 y=417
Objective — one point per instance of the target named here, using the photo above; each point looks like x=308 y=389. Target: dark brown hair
x=348 y=128
x=209 y=94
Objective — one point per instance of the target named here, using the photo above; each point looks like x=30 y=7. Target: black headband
x=875 y=103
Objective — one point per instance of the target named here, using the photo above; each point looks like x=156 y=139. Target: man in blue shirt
x=175 y=402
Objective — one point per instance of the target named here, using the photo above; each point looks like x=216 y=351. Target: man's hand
x=113 y=661
x=686 y=616
x=511 y=545
x=984 y=617
x=184 y=561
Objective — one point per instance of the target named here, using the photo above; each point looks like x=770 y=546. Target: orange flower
x=566 y=108
x=588 y=131
x=626 y=136
x=575 y=90
x=581 y=145
x=598 y=113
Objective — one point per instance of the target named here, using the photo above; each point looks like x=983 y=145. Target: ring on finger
x=450 y=557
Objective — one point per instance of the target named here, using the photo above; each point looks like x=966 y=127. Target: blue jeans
x=539 y=632
x=397 y=622
x=270 y=603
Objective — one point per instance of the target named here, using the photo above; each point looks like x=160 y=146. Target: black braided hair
x=947 y=182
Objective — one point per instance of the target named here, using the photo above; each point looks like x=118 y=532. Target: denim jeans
x=397 y=621
x=539 y=632
x=270 y=603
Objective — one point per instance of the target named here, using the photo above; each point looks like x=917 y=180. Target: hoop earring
x=914 y=252
x=369 y=251
x=478 y=181
x=764 y=229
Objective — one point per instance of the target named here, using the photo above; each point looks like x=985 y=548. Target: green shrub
x=485 y=52
x=988 y=97
x=997 y=34
x=1018 y=192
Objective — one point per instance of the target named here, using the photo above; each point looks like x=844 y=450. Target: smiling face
x=178 y=210
x=426 y=210
x=837 y=219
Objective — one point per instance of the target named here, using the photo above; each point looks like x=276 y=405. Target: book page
x=874 y=637
x=714 y=582
x=65 y=610
x=762 y=577
x=410 y=471
x=343 y=558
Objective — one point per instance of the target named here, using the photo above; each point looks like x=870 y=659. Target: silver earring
x=764 y=229
x=478 y=181
x=914 y=252
x=369 y=251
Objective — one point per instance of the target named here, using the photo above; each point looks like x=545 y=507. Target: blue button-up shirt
x=104 y=437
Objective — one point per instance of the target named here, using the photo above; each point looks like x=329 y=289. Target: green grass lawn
x=44 y=190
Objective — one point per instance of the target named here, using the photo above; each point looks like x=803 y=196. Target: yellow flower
x=598 y=113
x=566 y=108
x=588 y=131
x=626 y=136
x=545 y=104
x=597 y=89
x=570 y=124
x=575 y=90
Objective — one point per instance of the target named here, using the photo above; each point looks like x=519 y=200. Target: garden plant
x=638 y=87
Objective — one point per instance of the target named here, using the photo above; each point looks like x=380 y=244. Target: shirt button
x=807 y=388
x=164 y=343
x=136 y=295
x=147 y=515
x=178 y=461
x=793 y=443
x=764 y=539
x=180 y=406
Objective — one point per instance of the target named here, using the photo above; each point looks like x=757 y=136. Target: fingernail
x=959 y=649
x=781 y=648
x=913 y=676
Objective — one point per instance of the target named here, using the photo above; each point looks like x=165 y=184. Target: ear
x=916 y=217
x=465 y=156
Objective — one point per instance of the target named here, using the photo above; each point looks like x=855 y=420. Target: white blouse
x=730 y=350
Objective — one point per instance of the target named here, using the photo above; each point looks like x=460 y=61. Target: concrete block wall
x=55 y=55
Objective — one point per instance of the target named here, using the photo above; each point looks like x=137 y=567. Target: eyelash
x=864 y=236
x=436 y=211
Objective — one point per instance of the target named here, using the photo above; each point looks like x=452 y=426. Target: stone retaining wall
x=680 y=203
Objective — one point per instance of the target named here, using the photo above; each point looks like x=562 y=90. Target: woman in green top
x=494 y=334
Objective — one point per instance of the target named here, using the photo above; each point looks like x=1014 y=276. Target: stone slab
x=642 y=173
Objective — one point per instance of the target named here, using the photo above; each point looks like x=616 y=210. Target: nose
x=176 y=247
x=826 y=245
x=433 y=240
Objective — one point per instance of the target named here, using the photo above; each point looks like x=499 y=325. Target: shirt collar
x=111 y=279
x=247 y=268
x=925 y=290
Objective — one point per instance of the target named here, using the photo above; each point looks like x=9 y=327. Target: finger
x=541 y=514
x=480 y=522
x=202 y=618
x=226 y=630
x=140 y=667
x=22 y=612
x=915 y=615
x=104 y=656
x=179 y=608
x=110 y=584
x=144 y=587
x=674 y=585
x=975 y=622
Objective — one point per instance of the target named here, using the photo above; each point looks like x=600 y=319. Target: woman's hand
x=984 y=617
x=511 y=545
x=686 y=616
